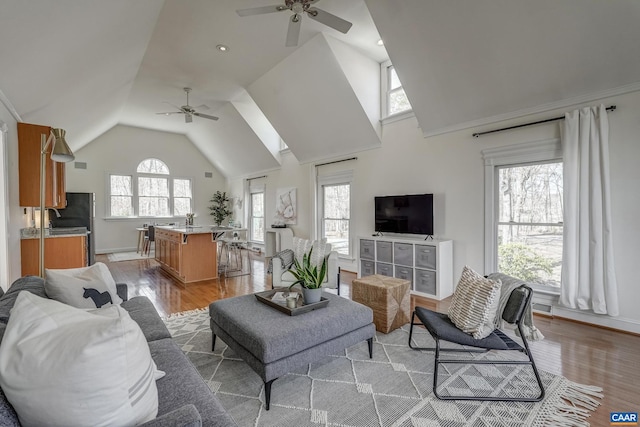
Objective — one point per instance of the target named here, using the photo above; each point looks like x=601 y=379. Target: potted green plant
x=309 y=277
x=220 y=207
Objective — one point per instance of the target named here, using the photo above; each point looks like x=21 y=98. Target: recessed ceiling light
x=222 y=48
x=380 y=42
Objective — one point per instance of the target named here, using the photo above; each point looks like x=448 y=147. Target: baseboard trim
x=618 y=324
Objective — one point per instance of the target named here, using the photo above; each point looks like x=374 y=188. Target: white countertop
x=34 y=233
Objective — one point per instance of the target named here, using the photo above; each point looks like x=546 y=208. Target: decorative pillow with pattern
x=474 y=304
x=86 y=287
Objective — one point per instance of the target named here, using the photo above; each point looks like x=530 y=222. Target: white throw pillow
x=86 y=287
x=63 y=366
x=474 y=304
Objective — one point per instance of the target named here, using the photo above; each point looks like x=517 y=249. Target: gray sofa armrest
x=123 y=291
x=184 y=416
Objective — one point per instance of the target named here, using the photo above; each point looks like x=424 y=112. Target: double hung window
x=524 y=202
x=257 y=216
x=394 y=99
x=334 y=208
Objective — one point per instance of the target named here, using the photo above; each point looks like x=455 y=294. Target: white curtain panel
x=588 y=270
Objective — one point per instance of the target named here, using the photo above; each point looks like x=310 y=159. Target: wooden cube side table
x=388 y=297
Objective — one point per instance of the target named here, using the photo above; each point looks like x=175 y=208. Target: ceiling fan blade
x=205 y=116
x=168 y=113
x=329 y=19
x=188 y=118
x=293 y=33
x=173 y=105
x=260 y=10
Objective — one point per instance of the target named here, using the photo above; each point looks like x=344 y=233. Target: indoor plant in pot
x=309 y=277
x=220 y=207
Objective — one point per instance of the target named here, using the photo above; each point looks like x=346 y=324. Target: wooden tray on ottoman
x=265 y=298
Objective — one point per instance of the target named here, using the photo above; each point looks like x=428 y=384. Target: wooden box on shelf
x=29 y=150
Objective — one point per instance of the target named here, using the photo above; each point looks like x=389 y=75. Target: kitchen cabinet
x=59 y=252
x=29 y=149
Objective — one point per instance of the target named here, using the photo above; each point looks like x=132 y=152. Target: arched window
x=151 y=192
x=154 y=166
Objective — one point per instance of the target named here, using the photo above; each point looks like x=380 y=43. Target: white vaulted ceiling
x=88 y=65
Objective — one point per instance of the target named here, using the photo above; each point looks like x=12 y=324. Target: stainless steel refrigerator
x=80 y=212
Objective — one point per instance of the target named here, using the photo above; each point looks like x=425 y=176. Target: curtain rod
x=336 y=161
x=475 y=135
x=256 y=177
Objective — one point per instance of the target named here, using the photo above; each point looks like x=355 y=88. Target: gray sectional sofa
x=184 y=398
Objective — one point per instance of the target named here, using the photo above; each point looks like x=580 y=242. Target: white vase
x=311 y=296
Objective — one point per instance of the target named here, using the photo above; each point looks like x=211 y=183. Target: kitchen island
x=187 y=253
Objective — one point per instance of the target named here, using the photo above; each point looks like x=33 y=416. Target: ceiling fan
x=298 y=7
x=189 y=111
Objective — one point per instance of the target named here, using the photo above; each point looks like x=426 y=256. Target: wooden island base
x=187 y=254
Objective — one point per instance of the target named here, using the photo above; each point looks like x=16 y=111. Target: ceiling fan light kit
x=189 y=111
x=299 y=7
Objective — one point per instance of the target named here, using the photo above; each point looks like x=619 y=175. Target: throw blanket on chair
x=509 y=284
x=285 y=257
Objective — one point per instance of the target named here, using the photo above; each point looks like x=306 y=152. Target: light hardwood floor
x=582 y=353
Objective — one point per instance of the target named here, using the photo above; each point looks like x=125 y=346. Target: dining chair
x=148 y=239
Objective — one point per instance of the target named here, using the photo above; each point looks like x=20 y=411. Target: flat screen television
x=410 y=214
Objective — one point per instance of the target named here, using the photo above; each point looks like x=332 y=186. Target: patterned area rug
x=392 y=389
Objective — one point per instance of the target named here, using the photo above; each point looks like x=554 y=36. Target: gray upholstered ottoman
x=273 y=343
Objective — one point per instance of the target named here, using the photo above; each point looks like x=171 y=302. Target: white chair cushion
x=86 y=287
x=63 y=366
x=474 y=304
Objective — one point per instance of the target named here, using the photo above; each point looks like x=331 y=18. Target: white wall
x=119 y=151
x=450 y=166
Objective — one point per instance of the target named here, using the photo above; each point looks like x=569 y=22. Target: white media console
x=427 y=264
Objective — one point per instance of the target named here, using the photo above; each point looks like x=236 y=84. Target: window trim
x=547 y=150
x=335 y=178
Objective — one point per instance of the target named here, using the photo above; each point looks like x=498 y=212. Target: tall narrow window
x=182 y=197
x=257 y=216
x=394 y=101
x=336 y=216
x=121 y=190
x=523 y=213
x=530 y=209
